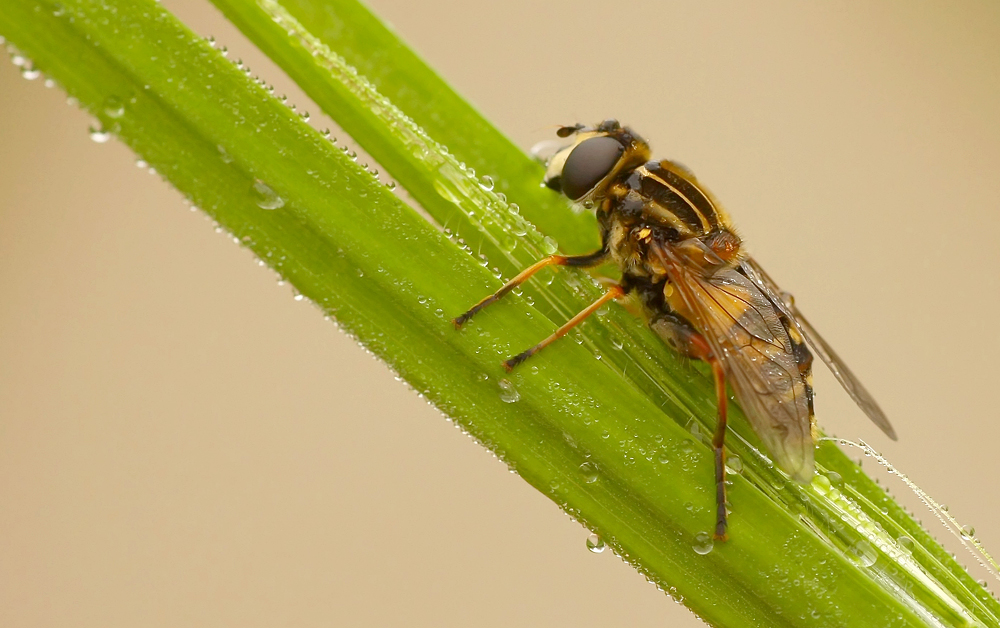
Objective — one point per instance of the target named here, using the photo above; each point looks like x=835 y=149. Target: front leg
x=584 y=261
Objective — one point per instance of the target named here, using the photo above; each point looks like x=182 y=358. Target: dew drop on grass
x=99 y=135
x=595 y=544
x=863 y=553
x=905 y=544
x=703 y=543
x=589 y=472
x=508 y=394
x=734 y=465
x=223 y=154
x=114 y=107
x=265 y=197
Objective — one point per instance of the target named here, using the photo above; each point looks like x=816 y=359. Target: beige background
x=183 y=444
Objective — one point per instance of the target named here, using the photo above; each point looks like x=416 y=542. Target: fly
x=681 y=260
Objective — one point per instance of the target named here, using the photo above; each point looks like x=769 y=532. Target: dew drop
x=595 y=544
x=265 y=197
x=589 y=472
x=141 y=163
x=223 y=154
x=905 y=543
x=968 y=532
x=862 y=552
x=734 y=465
x=486 y=183
x=114 y=107
x=703 y=543
x=30 y=72
x=549 y=246
x=508 y=394
x=99 y=135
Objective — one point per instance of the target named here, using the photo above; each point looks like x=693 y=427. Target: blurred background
x=182 y=443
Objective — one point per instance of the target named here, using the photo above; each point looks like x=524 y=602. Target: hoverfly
x=700 y=292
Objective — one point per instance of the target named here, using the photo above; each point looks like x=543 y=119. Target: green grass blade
x=366 y=42
x=599 y=444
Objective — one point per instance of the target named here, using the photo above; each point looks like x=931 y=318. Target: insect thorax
x=660 y=204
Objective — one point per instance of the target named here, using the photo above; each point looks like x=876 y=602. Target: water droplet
x=734 y=464
x=549 y=246
x=589 y=472
x=508 y=394
x=141 y=163
x=663 y=458
x=862 y=552
x=114 y=107
x=30 y=73
x=265 y=197
x=58 y=10
x=595 y=544
x=905 y=543
x=223 y=154
x=99 y=135
x=968 y=532
x=703 y=543
x=486 y=183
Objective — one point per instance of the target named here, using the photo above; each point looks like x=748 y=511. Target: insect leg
x=613 y=293
x=591 y=259
x=718 y=442
x=682 y=336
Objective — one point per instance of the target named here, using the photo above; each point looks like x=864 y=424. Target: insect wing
x=826 y=353
x=744 y=330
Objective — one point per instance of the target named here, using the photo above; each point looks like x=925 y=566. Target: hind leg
x=682 y=336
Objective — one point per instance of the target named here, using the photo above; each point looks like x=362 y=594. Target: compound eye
x=589 y=162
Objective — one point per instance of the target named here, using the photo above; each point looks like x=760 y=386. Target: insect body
x=682 y=261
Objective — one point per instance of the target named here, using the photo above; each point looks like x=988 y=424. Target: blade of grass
x=349 y=28
x=176 y=120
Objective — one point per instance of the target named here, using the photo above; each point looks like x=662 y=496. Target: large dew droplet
x=99 y=135
x=862 y=552
x=508 y=394
x=703 y=543
x=265 y=197
x=589 y=472
x=114 y=107
x=595 y=544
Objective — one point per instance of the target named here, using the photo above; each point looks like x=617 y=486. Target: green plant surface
x=602 y=426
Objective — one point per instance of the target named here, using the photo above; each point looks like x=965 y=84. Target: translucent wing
x=744 y=329
x=843 y=374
